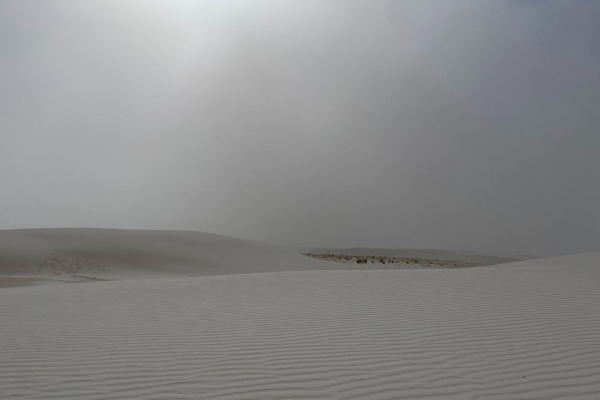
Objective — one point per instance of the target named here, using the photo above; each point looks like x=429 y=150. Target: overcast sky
x=452 y=124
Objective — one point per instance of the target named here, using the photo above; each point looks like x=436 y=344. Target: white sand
x=517 y=331
x=109 y=254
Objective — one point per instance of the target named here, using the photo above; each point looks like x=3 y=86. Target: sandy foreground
x=526 y=330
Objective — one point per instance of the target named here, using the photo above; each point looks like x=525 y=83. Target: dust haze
x=462 y=125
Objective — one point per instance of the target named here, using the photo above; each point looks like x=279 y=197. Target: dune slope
x=478 y=333
x=71 y=254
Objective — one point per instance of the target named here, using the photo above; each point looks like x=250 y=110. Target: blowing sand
x=517 y=331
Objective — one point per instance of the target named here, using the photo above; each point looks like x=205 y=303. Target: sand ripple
x=489 y=333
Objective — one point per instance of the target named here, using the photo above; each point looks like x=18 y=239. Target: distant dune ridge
x=83 y=254
x=132 y=254
x=525 y=330
x=464 y=256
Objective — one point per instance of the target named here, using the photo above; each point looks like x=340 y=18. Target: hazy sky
x=455 y=124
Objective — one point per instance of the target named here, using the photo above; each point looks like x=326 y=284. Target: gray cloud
x=431 y=123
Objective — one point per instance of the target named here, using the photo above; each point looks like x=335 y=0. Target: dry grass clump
x=414 y=262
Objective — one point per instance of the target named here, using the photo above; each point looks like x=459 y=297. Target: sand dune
x=43 y=256
x=99 y=254
x=574 y=260
x=525 y=331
